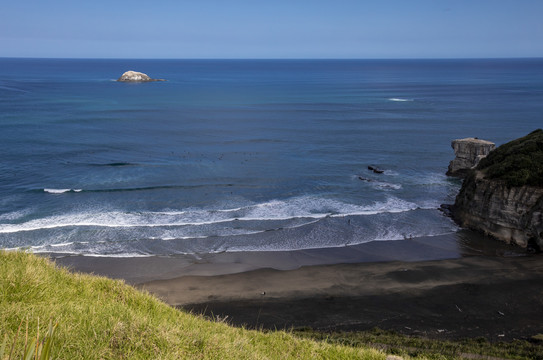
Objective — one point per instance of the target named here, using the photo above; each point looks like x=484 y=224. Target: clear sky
x=271 y=29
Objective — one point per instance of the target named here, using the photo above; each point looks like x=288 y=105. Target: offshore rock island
x=503 y=196
x=135 y=76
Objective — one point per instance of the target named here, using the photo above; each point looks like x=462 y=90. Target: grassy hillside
x=101 y=318
x=518 y=163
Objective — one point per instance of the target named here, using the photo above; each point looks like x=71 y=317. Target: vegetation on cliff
x=518 y=162
x=100 y=318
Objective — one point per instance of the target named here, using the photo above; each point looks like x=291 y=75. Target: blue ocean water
x=243 y=155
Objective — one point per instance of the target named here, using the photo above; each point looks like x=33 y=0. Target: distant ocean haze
x=243 y=155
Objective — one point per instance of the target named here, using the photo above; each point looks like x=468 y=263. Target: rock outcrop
x=135 y=76
x=469 y=153
x=503 y=196
x=514 y=215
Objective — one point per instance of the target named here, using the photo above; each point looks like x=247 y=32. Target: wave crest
x=401 y=99
x=271 y=211
x=61 y=191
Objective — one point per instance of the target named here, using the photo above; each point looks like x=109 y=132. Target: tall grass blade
x=30 y=351
x=15 y=341
x=38 y=356
x=3 y=347
x=45 y=354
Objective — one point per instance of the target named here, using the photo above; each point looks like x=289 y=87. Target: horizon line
x=286 y=58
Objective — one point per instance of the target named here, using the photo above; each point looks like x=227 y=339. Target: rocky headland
x=469 y=153
x=503 y=195
x=135 y=76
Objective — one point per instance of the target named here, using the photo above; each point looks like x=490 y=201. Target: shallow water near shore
x=137 y=270
x=244 y=155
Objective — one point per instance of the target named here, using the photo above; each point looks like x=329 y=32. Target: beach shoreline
x=447 y=287
x=135 y=270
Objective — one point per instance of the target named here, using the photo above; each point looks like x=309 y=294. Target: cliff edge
x=503 y=195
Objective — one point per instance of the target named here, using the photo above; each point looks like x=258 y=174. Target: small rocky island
x=135 y=76
x=503 y=195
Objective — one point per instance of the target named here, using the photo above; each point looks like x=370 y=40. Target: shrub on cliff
x=518 y=162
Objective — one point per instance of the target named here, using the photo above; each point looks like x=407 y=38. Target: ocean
x=243 y=155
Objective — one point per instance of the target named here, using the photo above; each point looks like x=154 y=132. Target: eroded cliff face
x=469 y=153
x=503 y=196
x=510 y=214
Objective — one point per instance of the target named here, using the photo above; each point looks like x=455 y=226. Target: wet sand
x=135 y=270
x=442 y=288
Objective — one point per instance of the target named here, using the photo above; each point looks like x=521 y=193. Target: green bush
x=518 y=163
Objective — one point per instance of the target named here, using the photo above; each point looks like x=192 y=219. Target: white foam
x=65 y=248
x=14 y=215
x=316 y=207
x=386 y=185
x=400 y=99
x=62 y=244
x=276 y=210
x=90 y=220
x=61 y=191
x=120 y=255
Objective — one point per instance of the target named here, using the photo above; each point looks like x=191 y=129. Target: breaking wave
x=61 y=191
x=271 y=211
x=401 y=99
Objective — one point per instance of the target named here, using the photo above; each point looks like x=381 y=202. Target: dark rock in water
x=503 y=196
x=135 y=76
x=446 y=209
x=375 y=169
x=469 y=153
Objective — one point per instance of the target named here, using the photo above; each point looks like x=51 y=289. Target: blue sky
x=272 y=29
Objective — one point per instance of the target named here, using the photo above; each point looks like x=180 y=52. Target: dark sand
x=475 y=288
x=498 y=298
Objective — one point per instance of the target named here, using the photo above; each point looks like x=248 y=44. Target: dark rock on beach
x=135 y=76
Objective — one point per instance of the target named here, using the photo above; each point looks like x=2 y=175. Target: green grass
x=518 y=163
x=100 y=318
x=431 y=349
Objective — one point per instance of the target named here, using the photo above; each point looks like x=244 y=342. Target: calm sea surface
x=243 y=155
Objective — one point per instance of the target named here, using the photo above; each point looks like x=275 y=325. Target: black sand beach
x=496 y=298
x=447 y=287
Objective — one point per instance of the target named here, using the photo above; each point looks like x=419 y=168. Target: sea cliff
x=469 y=153
x=503 y=195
